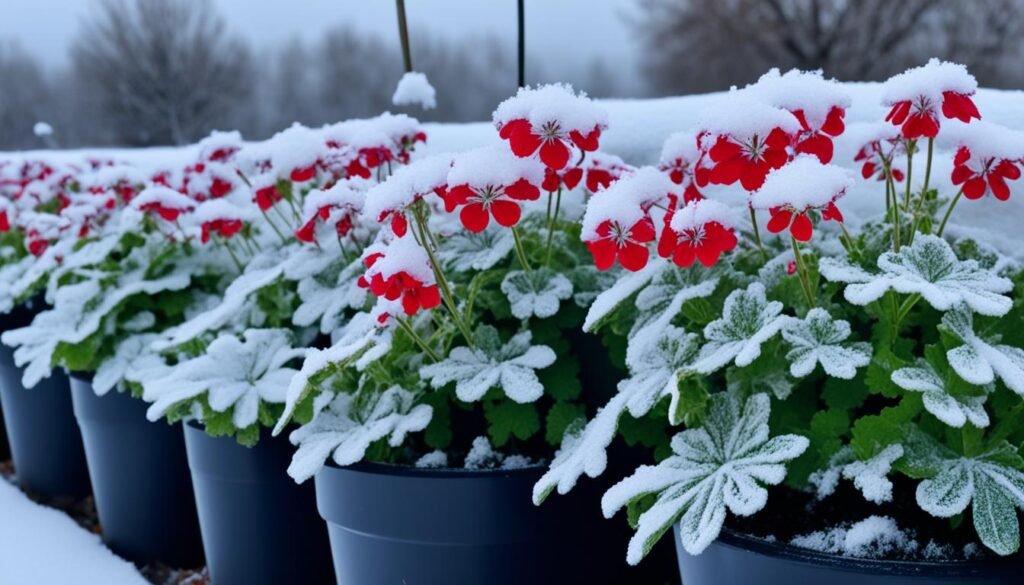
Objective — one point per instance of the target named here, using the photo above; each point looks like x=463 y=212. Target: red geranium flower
x=919 y=117
x=628 y=246
x=266 y=197
x=552 y=141
x=303 y=174
x=798 y=223
x=167 y=213
x=568 y=178
x=959 y=106
x=705 y=243
x=226 y=228
x=875 y=160
x=5 y=223
x=818 y=141
x=480 y=203
x=747 y=161
x=415 y=295
x=979 y=178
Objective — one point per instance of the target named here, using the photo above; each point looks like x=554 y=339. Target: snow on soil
x=42 y=546
x=879 y=537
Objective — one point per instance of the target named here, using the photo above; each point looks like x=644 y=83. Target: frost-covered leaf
x=588 y=283
x=818 y=339
x=626 y=286
x=233 y=374
x=535 y=293
x=464 y=250
x=954 y=410
x=995 y=489
x=748 y=320
x=661 y=300
x=871 y=476
x=653 y=374
x=328 y=303
x=978 y=361
x=350 y=424
x=134 y=360
x=510 y=366
x=715 y=468
x=930 y=268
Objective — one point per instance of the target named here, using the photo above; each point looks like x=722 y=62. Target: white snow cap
x=414 y=89
x=986 y=140
x=405 y=184
x=218 y=140
x=344 y=194
x=385 y=130
x=928 y=81
x=42 y=129
x=404 y=255
x=680 y=145
x=293 y=148
x=626 y=200
x=801 y=90
x=215 y=209
x=163 y=196
x=493 y=166
x=741 y=114
x=552 y=103
x=802 y=184
x=698 y=213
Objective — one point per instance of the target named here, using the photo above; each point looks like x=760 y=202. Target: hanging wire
x=403 y=33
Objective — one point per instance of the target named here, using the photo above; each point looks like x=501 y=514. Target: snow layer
x=42 y=546
x=414 y=89
x=929 y=81
x=802 y=184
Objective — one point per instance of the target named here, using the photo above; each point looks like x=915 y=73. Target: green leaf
x=560 y=417
x=873 y=433
x=438 y=434
x=995 y=516
x=507 y=419
x=561 y=379
x=693 y=401
x=841 y=394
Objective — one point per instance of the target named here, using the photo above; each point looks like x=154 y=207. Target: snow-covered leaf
x=715 y=468
x=328 y=303
x=871 y=476
x=661 y=300
x=653 y=374
x=818 y=339
x=350 y=424
x=748 y=320
x=929 y=267
x=233 y=373
x=134 y=360
x=464 y=250
x=535 y=293
x=978 y=361
x=626 y=286
x=954 y=410
x=510 y=366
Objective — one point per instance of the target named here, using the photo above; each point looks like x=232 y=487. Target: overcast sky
x=565 y=34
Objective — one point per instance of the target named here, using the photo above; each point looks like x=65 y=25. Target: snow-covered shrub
x=813 y=353
x=480 y=281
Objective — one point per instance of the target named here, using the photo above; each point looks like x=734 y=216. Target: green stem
x=416 y=338
x=551 y=226
x=230 y=251
x=805 y=281
x=905 y=308
x=442 y=282
x=949 y=211
x=890 y=191
x=757 y=234
x=910 y=145
x=924 y=192
x=403 y=34
x=519 y=250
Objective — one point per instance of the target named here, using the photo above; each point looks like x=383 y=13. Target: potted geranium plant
x=871 y=379
x=297 y=247
x=430 y=416
x=44 y=442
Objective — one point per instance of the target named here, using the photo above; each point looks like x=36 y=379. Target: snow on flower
x=803 y=185
x=702 y=231
x=680 y=157
x=988 y=156
x=388 y=201
x=918 y=95
x=336 y=205
x=167 y=203
x=490 y=182
x=551 y=119
x=881 y=144
x=414 y=89
x=401 y=270
x=601 y=169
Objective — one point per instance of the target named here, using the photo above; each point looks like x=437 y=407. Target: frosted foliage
x=929 y=268
x=802 y=184
x=134 y=361
x=994 y=489
x=350 y=424
x=661 y=300
x=748 y=320
x=329 y=303
x=826 y=480
x=414 y=89
x=818 y=339
x=233 y=373
x=464 y=250
x=490 y=363
x=980 y=362
x=653 y=375
x=871 y=476
x=535 y=293
x=618 y=293
x=717 y=467
x=953 y=409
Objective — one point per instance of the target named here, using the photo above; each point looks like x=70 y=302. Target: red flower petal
x=1007 y=170
x=589 y=142
x=474 y=217
x=554 y=154
x=603 y=250
x=801 y=228
x=572 y=177
x=960 y=174
x=819 y=145
x=999 y=187
x=633 y=256
x=975 y=188
x=780 y=221
x=834 y=125
x=684 y=255
x=724 y=149
x=506 y=213
x=523 y=190
x=522 y=139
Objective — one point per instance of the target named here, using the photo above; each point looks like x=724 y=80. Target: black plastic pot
x=740 y=559
x=44 y=441
x=391 y=525
x=140 y=479
x=258 y=525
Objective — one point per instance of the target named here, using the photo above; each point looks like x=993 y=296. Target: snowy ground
x=42 y=546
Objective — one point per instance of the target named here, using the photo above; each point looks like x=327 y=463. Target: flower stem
x=442 y=282
x=404 y=323
x=949 y=211
x=551 y=226
x=894 y=207
x=273 y=225
x=924 y=192
x=801 y=267
x=757 y=234
x=911 y=144
x=519 y=250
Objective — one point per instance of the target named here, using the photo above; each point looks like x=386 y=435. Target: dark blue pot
x=140 y=479
x=41 y=432
x=258 y=525
x=737 y=559
x=391 y=525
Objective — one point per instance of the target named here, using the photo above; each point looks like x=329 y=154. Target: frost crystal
x=535 y=293
x=870 y=476
x=716 y=467
x=952 y=409
x=978 y=361
x=350 y=424
x=490 y=363
x=818 y=340
x=134 y=360
x=748 y=320
x=464 y=250
x=930 y=268
x=233 y=373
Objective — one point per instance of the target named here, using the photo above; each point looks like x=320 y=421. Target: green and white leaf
x=979 y=361
x=954 y=410
x=464 y=250
x=535 y=293
x=818 y=339
x=748 y=320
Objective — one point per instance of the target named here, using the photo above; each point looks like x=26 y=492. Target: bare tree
x=699 y=45
x=161 y=71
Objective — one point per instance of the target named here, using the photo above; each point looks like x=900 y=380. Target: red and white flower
x=799 y=189
x=164 y=202
x=401 y=270
x=701 y=231
x=490 y=182
x=818 y=104
x=680 y=157
x=917 y=96
x=335 y=206
x=978 y=176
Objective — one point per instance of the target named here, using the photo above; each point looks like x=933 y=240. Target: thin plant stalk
x=520 y=252
x=949 y=212
x=551 y=226
x=521 y=13
x=442 y=282
x=801 y=267
x=417 y=339
x=403 y=35
x=757 y=235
